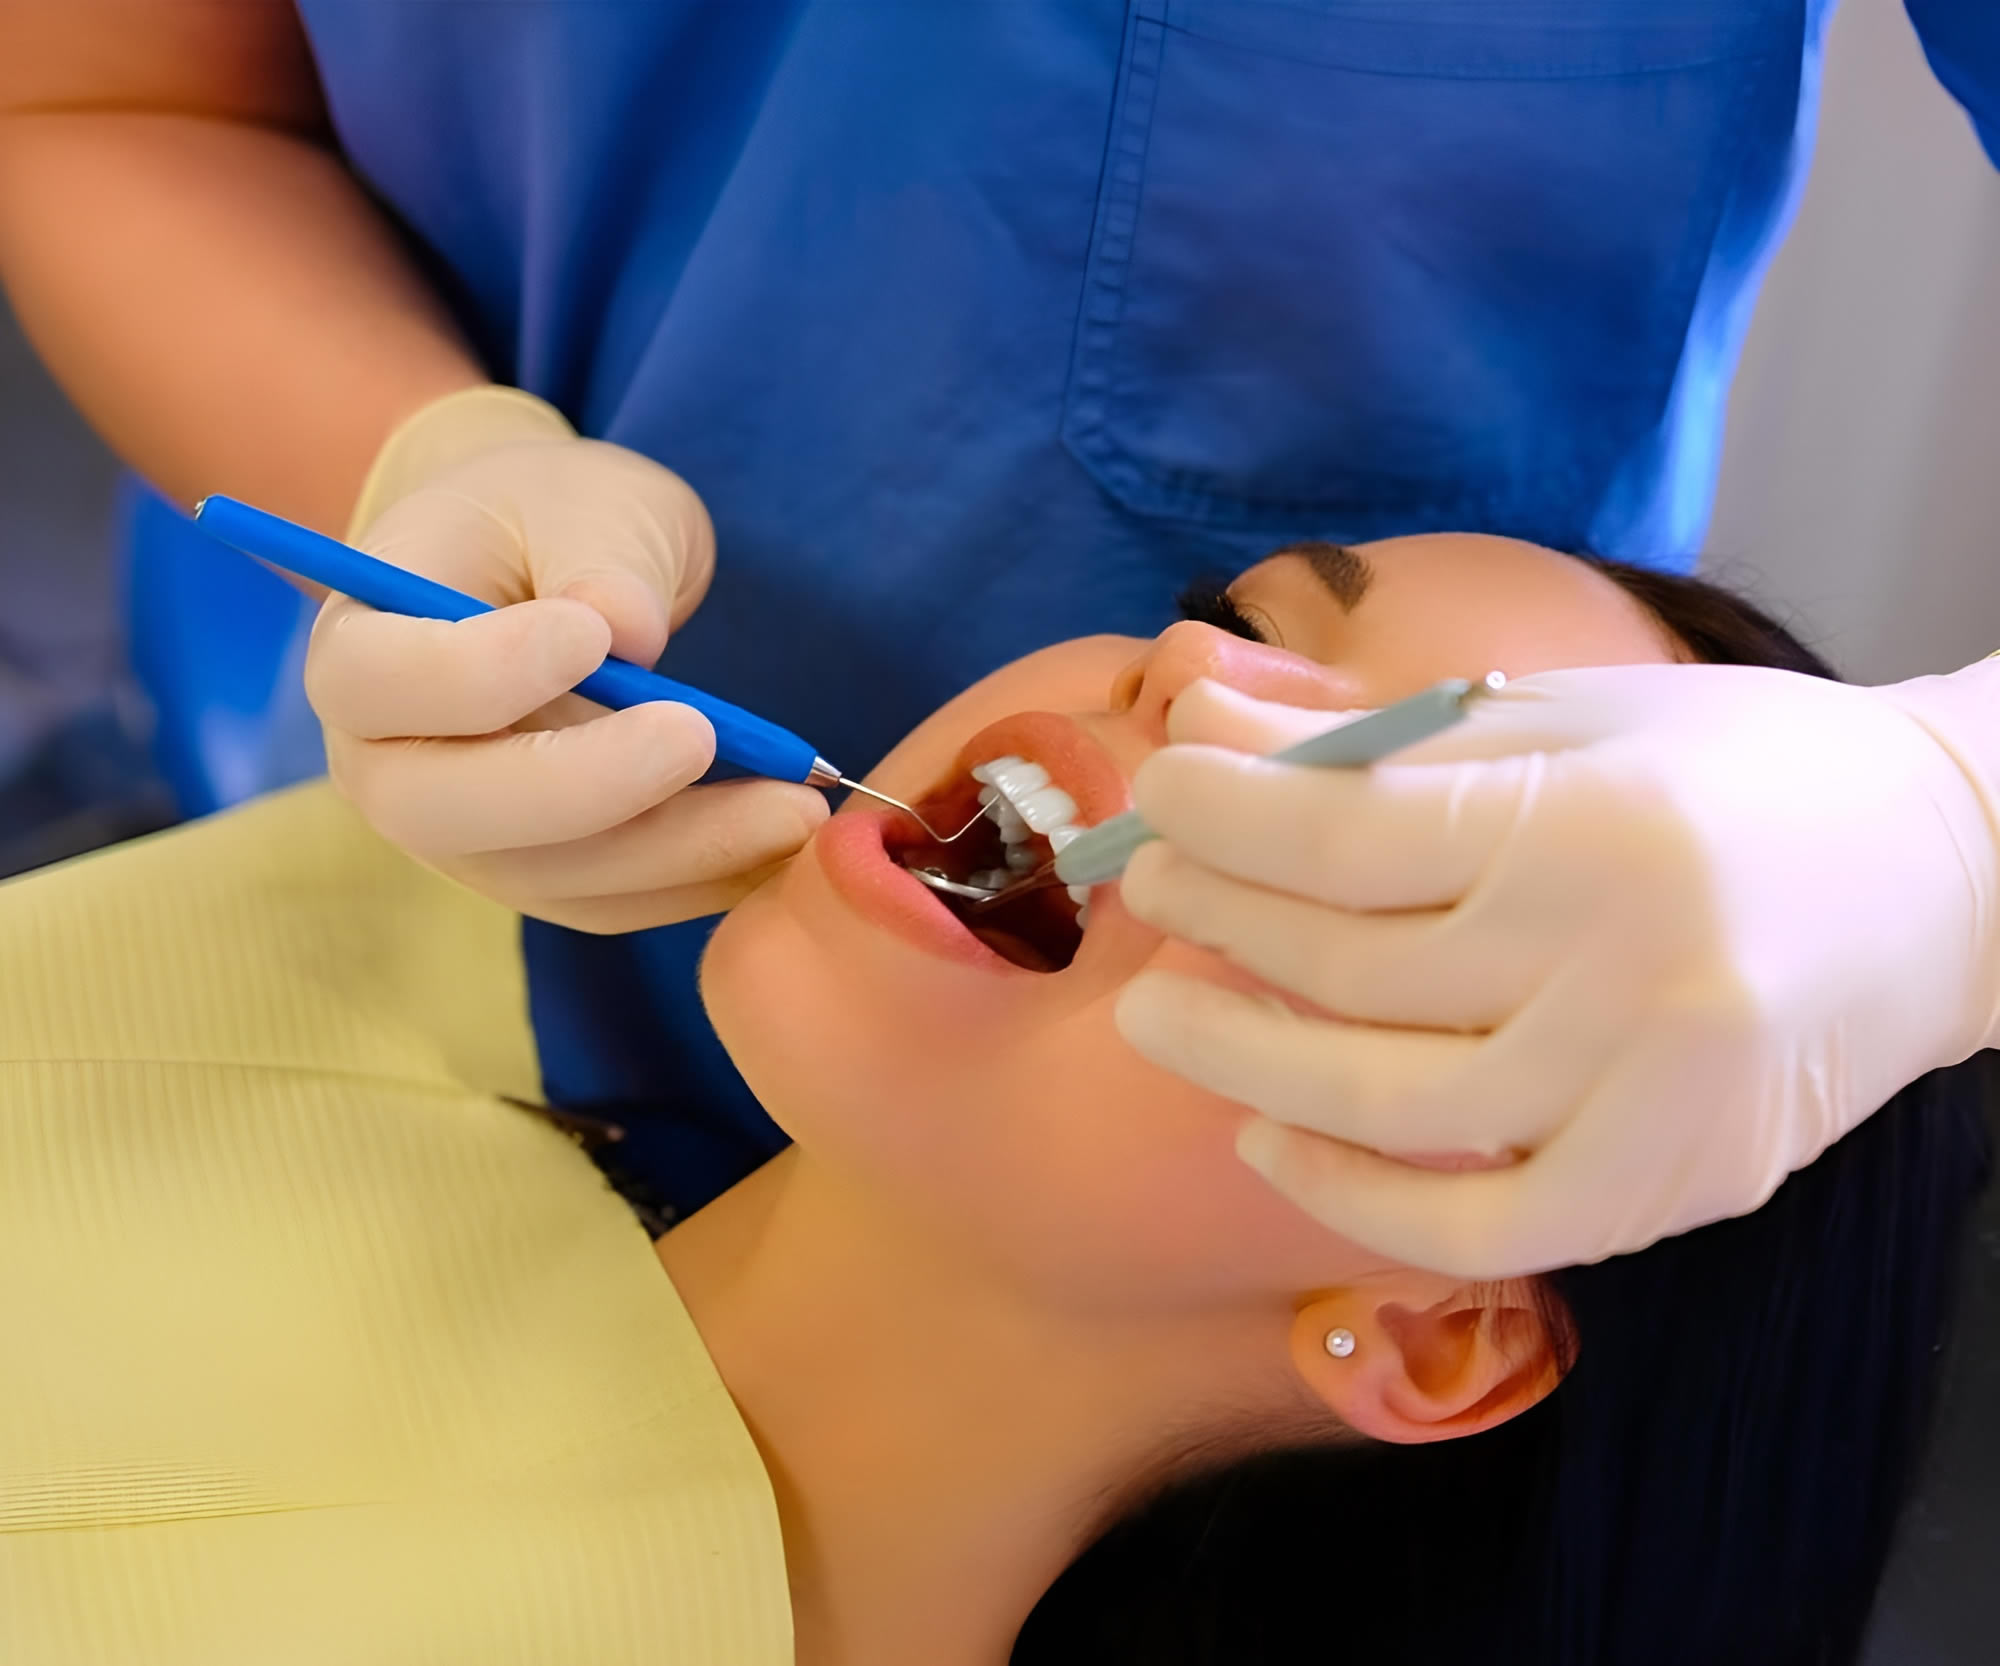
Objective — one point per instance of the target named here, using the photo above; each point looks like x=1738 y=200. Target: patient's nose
x=1183 y=652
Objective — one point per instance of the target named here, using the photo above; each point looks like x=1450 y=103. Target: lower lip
x=852 y=854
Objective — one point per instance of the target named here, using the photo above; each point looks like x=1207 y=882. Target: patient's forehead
x=1451 y=604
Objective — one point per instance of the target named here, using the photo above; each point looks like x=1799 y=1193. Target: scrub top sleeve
x=1962 y=40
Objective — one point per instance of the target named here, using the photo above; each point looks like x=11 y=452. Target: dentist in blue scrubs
x=859 y=346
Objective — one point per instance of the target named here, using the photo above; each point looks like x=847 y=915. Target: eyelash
x=1208 y=602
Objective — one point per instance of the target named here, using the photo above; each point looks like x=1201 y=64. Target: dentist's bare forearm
x=199 y=270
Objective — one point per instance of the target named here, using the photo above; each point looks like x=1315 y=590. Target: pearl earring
x=1340 y=1343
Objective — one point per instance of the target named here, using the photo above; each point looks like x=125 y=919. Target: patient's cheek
x=746 y=969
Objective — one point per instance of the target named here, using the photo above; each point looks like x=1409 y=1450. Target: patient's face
x=998 y=1101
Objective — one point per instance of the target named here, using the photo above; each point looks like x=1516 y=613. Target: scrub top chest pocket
x=1361 y=266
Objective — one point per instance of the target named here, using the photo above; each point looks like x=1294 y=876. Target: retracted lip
x=862 y=849
x=856 y=850
x=1076 y=763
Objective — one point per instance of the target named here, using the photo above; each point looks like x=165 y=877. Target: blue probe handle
x=741 y=738
x=1100 y=853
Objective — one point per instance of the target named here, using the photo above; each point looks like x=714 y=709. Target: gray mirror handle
x=1101 y=852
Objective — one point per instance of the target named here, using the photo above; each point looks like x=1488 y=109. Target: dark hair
x=1714 y=1483
x=1717 y=626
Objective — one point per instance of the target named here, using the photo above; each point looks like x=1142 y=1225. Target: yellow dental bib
x=313 y=1348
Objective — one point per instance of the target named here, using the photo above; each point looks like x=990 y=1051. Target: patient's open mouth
x=1042 y=929
x=1042 y=780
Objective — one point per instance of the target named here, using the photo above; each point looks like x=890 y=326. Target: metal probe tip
x=823 y=774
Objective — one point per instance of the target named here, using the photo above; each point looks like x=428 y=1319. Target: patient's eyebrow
x=1345 y=572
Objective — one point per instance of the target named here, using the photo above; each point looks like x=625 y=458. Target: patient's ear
x=1432 y=1358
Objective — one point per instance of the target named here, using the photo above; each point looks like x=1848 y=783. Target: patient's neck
x=941 y=1446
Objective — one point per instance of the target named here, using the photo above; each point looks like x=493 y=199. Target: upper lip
x=1074 y=758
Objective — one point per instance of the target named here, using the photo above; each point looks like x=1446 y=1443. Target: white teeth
x=1020 y=800
x=1008 y=819
x=1015 y=777
x=1047 y=808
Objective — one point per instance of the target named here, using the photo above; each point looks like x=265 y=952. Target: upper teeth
x=1020 y=799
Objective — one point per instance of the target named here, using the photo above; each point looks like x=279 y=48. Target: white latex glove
x=1650 y=937
x=458 y=742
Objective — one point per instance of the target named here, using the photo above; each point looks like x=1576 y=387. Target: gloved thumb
x=638 y=614
x=1549 y=711
x=612 y=529
x=579 y=520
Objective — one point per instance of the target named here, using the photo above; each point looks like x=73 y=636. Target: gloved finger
x=623 y=531
x=447 y=798
x=380 y=676
x=1388 y=837
x=450 y=535
x=1550 y=711
x=635 y=609
x=590 y=521
x=1400 y=969
x=1593 y=1185
x=1479 y=1225
x=643 y=910
x=698 y=836
x=1397 y=1091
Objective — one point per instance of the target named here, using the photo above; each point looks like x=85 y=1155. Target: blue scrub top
x=984 y=323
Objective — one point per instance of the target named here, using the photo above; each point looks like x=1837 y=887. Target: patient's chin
x=727 y=963
x=759 y=994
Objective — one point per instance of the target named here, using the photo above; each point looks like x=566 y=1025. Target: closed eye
x=1208 y=602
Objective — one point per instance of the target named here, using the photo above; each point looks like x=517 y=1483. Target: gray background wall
x=1861 y=477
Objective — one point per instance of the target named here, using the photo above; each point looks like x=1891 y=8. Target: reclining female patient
x=320 y=1346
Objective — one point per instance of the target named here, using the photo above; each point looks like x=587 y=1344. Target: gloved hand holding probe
x=1646 y=938
x=459 y=740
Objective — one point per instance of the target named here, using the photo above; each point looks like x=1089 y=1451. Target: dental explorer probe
x=741 y=738
x=1100 y=853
